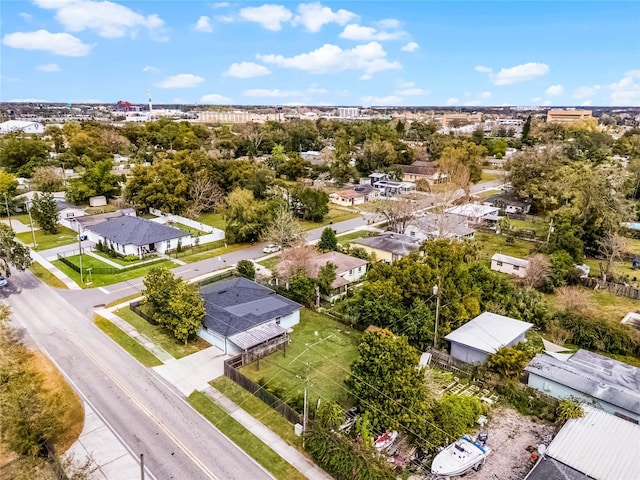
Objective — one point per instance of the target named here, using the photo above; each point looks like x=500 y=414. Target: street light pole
x=6 y=204
x=33 y=234
x=436 y=292
x=80 y=256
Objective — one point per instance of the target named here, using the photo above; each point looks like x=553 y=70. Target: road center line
x=146 y=411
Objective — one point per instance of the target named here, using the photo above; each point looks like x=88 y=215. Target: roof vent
x=603 y=385
x=222 y=291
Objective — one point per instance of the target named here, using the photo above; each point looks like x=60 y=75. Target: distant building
x=459 y=119
x=21 y=126
x=567 y=116
x=475 y=214
x=474 y=341
x=420 y=170
x=510 y=265
x=356 y=195
x=389 y=246
x=430 y=225
x=348 y=112
x=386 y=186
x=507 y=203
x=349 y=270
x=607 y=384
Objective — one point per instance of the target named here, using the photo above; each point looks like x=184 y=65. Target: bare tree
x=255 y=135
x=399 y=213
x=538 y=271
x=294 y=260
x=205 y=195
x=284 y=229
x=611 y=249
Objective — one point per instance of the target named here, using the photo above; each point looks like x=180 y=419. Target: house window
x=350 y=272
x=499 y=264
x=412 y=233
x=516 y=268
x=359 y=269
x=278 y=320
x=168 y=243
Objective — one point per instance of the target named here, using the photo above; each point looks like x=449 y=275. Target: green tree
x=187 y=311
x=568 y=409
x=456 y=415
x=96 y=180
x=246 y=217
x=20 y=154
x=526 y=130
x=160 y=186
x=44 y=210
x=8 y=186
x=12 y=253
x=328 y=241
x=159 y=284
x=277 y=160
x=326 y=276
x=247 y=269
x=302 y=289
x=508 y=362
x=309 y=203
x=390 y=386
x=47 y=179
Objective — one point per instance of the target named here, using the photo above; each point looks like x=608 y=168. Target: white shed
x=511 y=265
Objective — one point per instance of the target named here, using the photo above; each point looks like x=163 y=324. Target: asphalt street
x=148 y=415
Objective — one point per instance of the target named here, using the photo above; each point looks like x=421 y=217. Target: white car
x=271 y=248
x=3 y=281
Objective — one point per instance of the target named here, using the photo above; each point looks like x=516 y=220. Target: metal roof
x=137 y=231
x=257 y=335
x=599 y=445
x=520 y=262
x=473 y=210
x=488 y=332
x=599 y=377
x=391 y=242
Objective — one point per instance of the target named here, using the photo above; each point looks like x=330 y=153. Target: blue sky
x=322 y=53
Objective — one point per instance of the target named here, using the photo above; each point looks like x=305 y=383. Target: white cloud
x=546 y=103
x=183 y=80
x=58 y=43
x=27 y=17
x=150 y=68
x=471 y=103
x=110 y=20
x=413 y=92
x=520 y=73
x=555 y=90
x=28 y=100
x=584 y=92
x=388 y=23
x=277 y=93
x=203 y=24
x=405 y=84
x=360 y=33
x=366 y=76
x=626 y=91
x=246 y=70
x=482 y=69
x=270 y=17
x=388 y=100
x=485 y=94
x=313 y=16
x=221 y=5
x=224 y=18
x=453 y=101
x=410 y=47
x=586 y=103
x=215 y=99
x=536 y=99
x=369 y=58
x=49 y=67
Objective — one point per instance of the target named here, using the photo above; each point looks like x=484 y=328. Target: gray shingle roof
x=137 y=231
x=391 y=242
x=237 y=304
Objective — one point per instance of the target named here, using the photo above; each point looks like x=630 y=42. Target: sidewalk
x=71 y=285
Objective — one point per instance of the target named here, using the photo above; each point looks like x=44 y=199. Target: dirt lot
x=512 y=438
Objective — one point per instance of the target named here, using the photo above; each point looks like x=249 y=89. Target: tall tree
x=328 y=241
x=187 y=311
x=12 y=253
x=159 y=283
x=326 y=276
x=47 y=179
x=309 y=203
x=204 y=195
x=44 y=210
x=284 y=229
x=20 y=154
x=96 y=180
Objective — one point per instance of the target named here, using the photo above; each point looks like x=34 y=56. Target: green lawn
x=198 y=255
x=214 y=220
x=242 y=437
x=541 y=227
x=45 y=241
x=332 y=349
x=158 y=335
x=23 y=218
x=488 y=177
x=118 y=301
x=257 y=409
x=186 y=228
x=100 y=280
x=492 y=243
x=486 y=194
x=335 y=215
x=348 y=237
x=46 y=276
x=134 y=349
x=270 y=263
x=122 y=261
x=606 y=305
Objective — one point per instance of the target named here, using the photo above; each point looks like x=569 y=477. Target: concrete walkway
x=70 y=284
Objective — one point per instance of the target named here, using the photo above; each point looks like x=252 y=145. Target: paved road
x=148 y=415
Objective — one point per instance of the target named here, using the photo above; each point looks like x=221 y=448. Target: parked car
x=3 y=281
x=271 y=248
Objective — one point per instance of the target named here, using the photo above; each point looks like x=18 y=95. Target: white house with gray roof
x=241 y=315
x=474 y=341
x=510 y=265
x=131 y=235
x=606 y=383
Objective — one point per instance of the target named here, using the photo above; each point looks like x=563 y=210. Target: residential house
x=605 y=383
x=474 y=341
x=389 y=246
x=508 y=204
x=67 y=212
x=356 y=195
x=475 y=214
x=242 y=315
x=387 y=187
x=421 y=170
x=349 y=271
x=596 y=446
x=430 y=225
x=22 y=126
x=511 y=265
x=135 y=236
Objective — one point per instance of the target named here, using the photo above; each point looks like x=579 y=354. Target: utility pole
x=80 y=256
x=436 y=292
x=550 y=231
x=306 y=394
x=33 y=234
x=142 y=466
x=6 y=204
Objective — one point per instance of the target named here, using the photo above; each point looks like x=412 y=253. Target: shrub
x=594 y=334
x=247 y=269
x=567 y=409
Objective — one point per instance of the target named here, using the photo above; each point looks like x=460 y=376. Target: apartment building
x=567 y=116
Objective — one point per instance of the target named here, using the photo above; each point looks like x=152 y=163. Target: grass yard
x=190 y=230
x=126 y=299
x=214 y=220
x=100 y=280
x=204 y=254
x=73 y=418
x=65 y=236
x=22 y=218
x=257 y=409
x=541 y=228
x=335 y=215
x=46 y=276
x=270 y=263
x=621 y=269
x=121 y=261
x=132 y=347
x=242 y=437
x=348 y=237
x=606 y=305
x=332 y=349
x=488 y=177
x=492 y=243
x=158 y=335
x=486 y=194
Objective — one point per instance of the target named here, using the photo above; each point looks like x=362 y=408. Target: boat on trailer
x=460 y=457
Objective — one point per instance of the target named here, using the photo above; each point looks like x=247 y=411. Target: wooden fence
x=231 y=372
x=617 y=288
x=446 y=361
